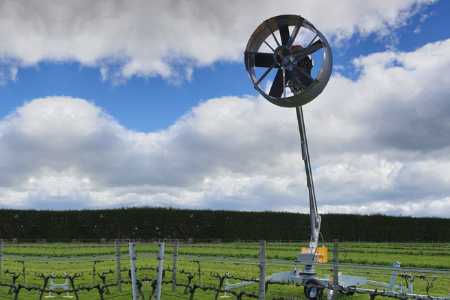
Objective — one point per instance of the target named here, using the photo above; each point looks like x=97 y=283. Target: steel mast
x=289 y=63
x=314 y=216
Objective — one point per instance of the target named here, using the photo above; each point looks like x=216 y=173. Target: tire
x=313 y=289
x=349 y=291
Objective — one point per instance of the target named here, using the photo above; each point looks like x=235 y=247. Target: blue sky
x=153 y=103
x=162 y=87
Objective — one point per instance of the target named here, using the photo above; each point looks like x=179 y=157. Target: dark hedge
x=203 y=225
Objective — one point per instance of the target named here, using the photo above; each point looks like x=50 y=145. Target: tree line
x=210 y=225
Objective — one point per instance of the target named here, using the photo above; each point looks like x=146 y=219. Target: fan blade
x=284 y=33
x=313 y=48
x=277 y=86
x=300 y=52
x=295 y=33
x=264 y=60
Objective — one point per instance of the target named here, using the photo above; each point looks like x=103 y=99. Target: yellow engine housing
x=321 y=254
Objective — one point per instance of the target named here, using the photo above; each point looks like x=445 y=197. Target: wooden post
x=118 y=274
x=24 y=270
x=160 y=271
x=94 y=270
x=1 y=258
x=132 y=253
x=262 y=270
x=174 y=266
x=199 y=271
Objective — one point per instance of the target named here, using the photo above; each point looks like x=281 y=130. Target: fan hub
x=283 y=57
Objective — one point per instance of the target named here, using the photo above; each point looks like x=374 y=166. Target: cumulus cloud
x=168 y=38
x=379 y=143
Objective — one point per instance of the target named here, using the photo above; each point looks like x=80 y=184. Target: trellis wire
x=192 y=287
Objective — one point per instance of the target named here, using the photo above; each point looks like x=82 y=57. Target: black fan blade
x=295 y=32
x=284 y=33
x=277 y=86
x=314 y=47
x=264 y=60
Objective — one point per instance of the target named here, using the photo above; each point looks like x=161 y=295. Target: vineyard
x=202 y=270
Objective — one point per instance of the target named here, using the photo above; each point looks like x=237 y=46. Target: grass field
x=207 y=261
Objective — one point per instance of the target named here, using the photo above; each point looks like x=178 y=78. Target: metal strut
x=313 y=212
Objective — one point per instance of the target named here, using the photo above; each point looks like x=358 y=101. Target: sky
x=109 y=104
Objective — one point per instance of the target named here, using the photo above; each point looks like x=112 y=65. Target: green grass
x=239 y=259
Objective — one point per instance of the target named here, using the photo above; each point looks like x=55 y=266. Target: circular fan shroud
x=266 y=29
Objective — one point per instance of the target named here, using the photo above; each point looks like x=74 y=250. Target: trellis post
x=174 y=266
x=94 y=270
x=160 y=270
x=118 y=273
x=262 y=270
x=24 y=270
x=1 y=257
x=132 y=253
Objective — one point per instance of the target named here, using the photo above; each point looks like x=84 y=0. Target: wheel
x=288 y=60
x=313 y=289
x=349 y=291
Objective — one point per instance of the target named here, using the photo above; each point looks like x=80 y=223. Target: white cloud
x=379 y=143
x=148 y=38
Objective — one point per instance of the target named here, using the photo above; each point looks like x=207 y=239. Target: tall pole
x=313 y=213
x=1 y=257
x=118 y=272
x=132 y=252
x=174 y=266
x=262 y=270
x=160 y=270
